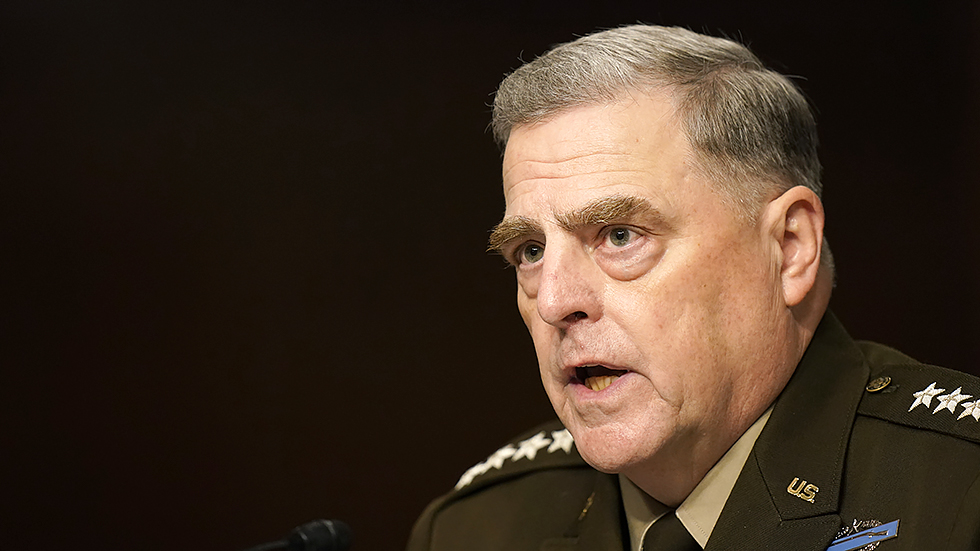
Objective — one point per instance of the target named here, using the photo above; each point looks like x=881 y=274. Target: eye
x=531 y=253
x=620 y=237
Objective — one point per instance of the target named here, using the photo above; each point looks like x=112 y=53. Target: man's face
x=652 y=306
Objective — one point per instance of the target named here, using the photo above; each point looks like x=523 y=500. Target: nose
x=569 y=290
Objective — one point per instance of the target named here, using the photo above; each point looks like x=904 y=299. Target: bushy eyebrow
x=604 y=210
x=607 y=210
x=511 y=229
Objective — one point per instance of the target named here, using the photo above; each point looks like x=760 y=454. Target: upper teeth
x=600 y=382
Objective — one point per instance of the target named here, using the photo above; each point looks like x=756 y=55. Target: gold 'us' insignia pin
x=802 y=490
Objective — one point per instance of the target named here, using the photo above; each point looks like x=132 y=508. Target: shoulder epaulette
x=925 y=397
x=548 y=446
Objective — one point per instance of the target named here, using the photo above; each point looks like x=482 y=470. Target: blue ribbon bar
x=871 y=535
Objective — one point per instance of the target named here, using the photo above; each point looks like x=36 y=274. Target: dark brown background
x=243 y=283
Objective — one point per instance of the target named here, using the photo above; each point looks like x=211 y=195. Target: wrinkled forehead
x=636 y=132
x=638 y=112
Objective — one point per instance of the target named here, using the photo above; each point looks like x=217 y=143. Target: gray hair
x=750 y=128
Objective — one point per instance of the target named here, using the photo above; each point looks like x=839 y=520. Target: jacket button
x=878 y=384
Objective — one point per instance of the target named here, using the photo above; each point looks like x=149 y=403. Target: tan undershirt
x=700 y=511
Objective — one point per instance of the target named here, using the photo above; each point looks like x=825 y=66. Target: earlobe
x=797 y=220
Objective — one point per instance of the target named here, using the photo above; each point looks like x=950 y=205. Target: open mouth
x=597 y=377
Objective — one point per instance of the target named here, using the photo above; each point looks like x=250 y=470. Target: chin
x=607 y=449
x=604 y=464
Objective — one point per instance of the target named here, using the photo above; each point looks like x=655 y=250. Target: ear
x=794 y=221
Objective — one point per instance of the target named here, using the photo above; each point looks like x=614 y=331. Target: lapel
x=600 y=526
x=800 y=454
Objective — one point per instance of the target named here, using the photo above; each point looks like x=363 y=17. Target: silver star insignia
x=926 y=395
x=471 y=473
x=970 y=408
x=529 y=448
x=561 y=440
x=950 y=401
x=497 y=459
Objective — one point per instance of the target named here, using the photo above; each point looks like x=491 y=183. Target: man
x=663 y=216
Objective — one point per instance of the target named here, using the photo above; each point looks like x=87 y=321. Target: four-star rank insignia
x=540 y=443
x=948 y=402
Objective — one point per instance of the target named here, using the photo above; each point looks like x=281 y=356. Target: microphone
x=319 y=535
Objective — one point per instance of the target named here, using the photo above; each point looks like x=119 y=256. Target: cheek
x=675 y=322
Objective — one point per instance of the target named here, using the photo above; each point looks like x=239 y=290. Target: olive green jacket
x=861 y=435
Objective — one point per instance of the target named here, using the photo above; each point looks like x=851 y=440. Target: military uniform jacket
x=861 y=435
